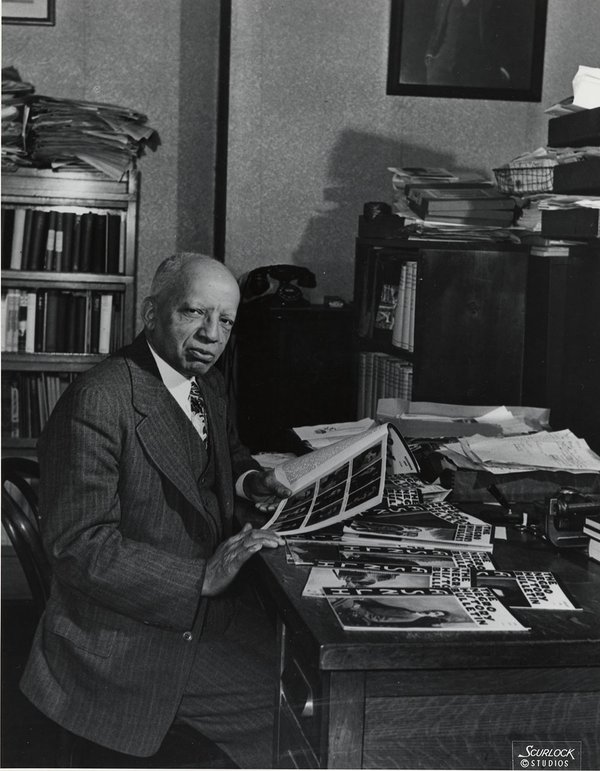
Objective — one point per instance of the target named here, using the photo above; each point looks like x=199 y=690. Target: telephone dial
x=277 y=285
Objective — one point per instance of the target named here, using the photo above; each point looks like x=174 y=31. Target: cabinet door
x=469 y=328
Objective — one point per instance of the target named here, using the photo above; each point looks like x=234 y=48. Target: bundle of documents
x=543 y=450
x=74 y=133
x=435 y=419
x=47 y=132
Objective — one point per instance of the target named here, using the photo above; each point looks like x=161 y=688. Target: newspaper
x=337 y=482
x=394 y=577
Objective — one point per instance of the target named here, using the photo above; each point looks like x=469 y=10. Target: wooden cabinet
x=294 y=366
x=469 y=311
x=71 y=298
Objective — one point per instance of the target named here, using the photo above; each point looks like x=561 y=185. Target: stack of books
x=478 y=206
x=591 y=527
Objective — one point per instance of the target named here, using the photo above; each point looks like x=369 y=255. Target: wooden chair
x=183 y=747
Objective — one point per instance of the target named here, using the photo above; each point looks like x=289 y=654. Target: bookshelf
x=466 y=338
x=68 y=287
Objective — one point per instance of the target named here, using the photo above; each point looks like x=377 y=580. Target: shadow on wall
x=357 y=173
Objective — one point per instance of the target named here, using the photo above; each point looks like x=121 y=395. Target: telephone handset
x=273 y=285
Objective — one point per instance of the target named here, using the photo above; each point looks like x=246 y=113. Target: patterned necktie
x=199 y=418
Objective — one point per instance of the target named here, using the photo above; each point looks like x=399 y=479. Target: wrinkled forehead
x=208 y=286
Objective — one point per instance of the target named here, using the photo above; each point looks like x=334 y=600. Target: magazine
x=425 y=524
x=427 y=610
x=526 y=589
x=322 y=554
x=394 y=577
x=339 y=481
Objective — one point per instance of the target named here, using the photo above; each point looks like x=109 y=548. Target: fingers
x=230 y=555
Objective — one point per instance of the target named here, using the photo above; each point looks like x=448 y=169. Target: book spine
x=16 y=256
x=8 y=220
x=58 y=243
x=104 y=335
x=31 y=316
x=40 y=321
x=22 y=321
x=87 y=234
x=68 y=222
x=48 y=261
x=39 y=231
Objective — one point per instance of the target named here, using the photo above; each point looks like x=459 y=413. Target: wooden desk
x=436 y=700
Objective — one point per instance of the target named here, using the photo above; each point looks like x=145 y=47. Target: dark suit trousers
x=231 y=692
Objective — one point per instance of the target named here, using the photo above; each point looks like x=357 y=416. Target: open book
x=337 y=482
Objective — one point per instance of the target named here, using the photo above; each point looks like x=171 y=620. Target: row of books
x=381 y=376
x=53 y=321
x=68 y=240
x=28 y=398
x=396 y=308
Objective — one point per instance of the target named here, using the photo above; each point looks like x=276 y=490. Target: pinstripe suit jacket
x=128 y=525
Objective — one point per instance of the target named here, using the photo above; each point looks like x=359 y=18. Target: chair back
x=20 y=518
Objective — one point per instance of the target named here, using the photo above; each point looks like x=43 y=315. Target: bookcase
x=466 y=341
x=68 y=284
x=493 y=325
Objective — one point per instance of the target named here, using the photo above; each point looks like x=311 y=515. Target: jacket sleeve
x=80 y=500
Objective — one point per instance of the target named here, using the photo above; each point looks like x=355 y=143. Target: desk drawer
x=301 y=692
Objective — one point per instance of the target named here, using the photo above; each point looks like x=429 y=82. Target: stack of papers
x=434 y=419
x=544 y=450
x=74 y=133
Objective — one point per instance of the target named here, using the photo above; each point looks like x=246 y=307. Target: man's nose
x=209 y=328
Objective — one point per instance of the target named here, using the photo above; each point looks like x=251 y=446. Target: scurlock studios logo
x=546 y=755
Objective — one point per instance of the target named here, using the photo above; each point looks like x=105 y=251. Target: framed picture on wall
x=469 y=49
x=28 y=12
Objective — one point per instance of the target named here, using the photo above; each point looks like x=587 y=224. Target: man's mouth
x=203 y=356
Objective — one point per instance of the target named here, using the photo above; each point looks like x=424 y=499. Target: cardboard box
x=577 y=129
x=578 y=222
x=578 y=177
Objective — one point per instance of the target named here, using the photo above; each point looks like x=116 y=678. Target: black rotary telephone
x=277 y=285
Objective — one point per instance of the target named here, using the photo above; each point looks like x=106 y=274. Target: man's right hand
x=231 y=554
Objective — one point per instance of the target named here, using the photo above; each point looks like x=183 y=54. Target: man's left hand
x=263 y=488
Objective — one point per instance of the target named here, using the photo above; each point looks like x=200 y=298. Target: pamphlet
x=393 y=576
x=526 y=589
x=339 y=481
x=421 y=610
x=427 y=524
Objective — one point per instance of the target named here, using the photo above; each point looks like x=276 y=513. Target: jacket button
x=188 y=636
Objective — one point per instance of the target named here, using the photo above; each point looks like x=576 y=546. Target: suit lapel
x=163 y=429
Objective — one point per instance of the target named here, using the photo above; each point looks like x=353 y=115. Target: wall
x=159 y=58
x=312 y=131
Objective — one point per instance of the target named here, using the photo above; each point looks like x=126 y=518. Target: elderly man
x=146 y=623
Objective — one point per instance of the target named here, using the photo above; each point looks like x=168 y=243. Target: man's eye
x=195 y=311
x=227 y=323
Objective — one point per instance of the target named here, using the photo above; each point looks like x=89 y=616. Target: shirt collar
x=177 y=384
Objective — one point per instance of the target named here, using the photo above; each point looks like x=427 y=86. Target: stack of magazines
x=384 y=557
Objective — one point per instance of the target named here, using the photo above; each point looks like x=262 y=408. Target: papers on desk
x=544 y=450
x=434 y=419
x=328 y=433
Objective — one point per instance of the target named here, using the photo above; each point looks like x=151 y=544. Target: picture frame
x=42 y=12
x=468 y=49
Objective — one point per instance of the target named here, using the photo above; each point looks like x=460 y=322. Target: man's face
x=190 y=327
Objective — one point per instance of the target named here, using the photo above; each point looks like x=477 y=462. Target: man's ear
x=149 y=312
